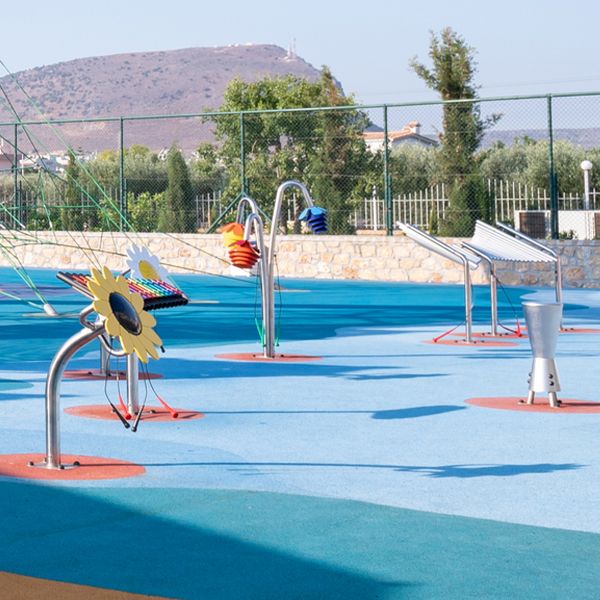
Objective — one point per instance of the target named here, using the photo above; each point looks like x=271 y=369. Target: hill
x=184 y=81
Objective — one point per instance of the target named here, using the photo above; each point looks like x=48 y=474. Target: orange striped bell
x=243 y=254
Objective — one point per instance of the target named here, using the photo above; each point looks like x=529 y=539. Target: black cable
x=114 y=408
x=141 y=410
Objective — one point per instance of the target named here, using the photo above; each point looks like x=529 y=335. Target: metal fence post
x=387 y=195
x=243 y=186
x=122 y=208
x=552 y=174
x=15 y=170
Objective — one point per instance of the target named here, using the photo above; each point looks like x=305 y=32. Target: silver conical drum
x=543 y=326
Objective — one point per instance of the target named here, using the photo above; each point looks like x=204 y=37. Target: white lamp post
x=586 y=166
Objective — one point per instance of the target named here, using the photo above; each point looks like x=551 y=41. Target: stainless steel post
x=493 y=299
x=104 y=361
x=255 y=223
x=270 y=351
x=468 y=303
x=133 y=368
x=57 y=367
x=543 y=326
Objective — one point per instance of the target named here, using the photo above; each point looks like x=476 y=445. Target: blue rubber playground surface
x=362 y=475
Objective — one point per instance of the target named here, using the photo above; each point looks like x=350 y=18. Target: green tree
x=207 y=174
x=179 y=213
x=144 y=172
x=145 y=210
x=452 y=76
x=72 y=215
x=506 y=163
x=412 y=168
x=323 y=149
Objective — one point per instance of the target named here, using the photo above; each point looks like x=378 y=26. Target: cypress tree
x=179 y=214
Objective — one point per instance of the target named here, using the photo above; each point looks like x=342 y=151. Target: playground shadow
x=469 y=471
x=442 y=471
x=416 y=412
x=400 y=413
x=181 y=368
x=190 y=555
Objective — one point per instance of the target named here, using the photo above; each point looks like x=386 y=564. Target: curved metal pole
x=493 y=287
x=240 y=209
x=270 y=275
x=254 y=223
x=133 y=374
x=468 y=303
x=278 y=201
x=55 y=373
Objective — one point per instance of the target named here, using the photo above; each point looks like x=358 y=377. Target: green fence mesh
x=438 y=165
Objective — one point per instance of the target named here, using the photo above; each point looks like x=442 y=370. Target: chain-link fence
x=526 y=161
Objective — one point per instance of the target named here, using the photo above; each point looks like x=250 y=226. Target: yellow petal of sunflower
x=108 y=276
x=147 y=319
x=151 y=336
x=102 y=307
x=97 y=290
x=121 y=286
x=96 y=275
x=128 y=342
x=151 y=349
x=112 y=326
x=141 y=354
x=146 y=346
x=137 y=301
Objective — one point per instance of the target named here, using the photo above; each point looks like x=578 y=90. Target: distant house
x=51 y=163
x=409 y=134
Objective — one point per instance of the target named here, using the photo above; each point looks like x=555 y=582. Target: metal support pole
x=389 y=217
x=133 y=367
x=243 y=186
x=270 y=275
x=16 y=168
x=104 y=361
x=468 y=303
x=493 y=300
x=122 y=192
x=254 y=222
x=552 y=174
x=55 y=373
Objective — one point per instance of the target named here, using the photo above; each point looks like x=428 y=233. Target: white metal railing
x=417 y=207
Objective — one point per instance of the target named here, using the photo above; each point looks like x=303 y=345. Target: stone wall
x=369 y=257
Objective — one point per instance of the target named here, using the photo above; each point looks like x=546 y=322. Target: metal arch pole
x=55 y=373
x=493 y=287
x=270 y=274
x=133 y=372
x=255 y=223
x=246 y=200
x=468 y=302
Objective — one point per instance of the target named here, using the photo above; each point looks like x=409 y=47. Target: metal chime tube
x=133 y=402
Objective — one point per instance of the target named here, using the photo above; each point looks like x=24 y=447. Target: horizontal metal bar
x=298 y=110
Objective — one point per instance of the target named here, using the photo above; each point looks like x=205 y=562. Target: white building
x=409 y=134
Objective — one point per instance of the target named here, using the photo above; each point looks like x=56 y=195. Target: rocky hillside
x=184 y=81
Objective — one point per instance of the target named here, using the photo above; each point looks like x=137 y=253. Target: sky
x=522 y=47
